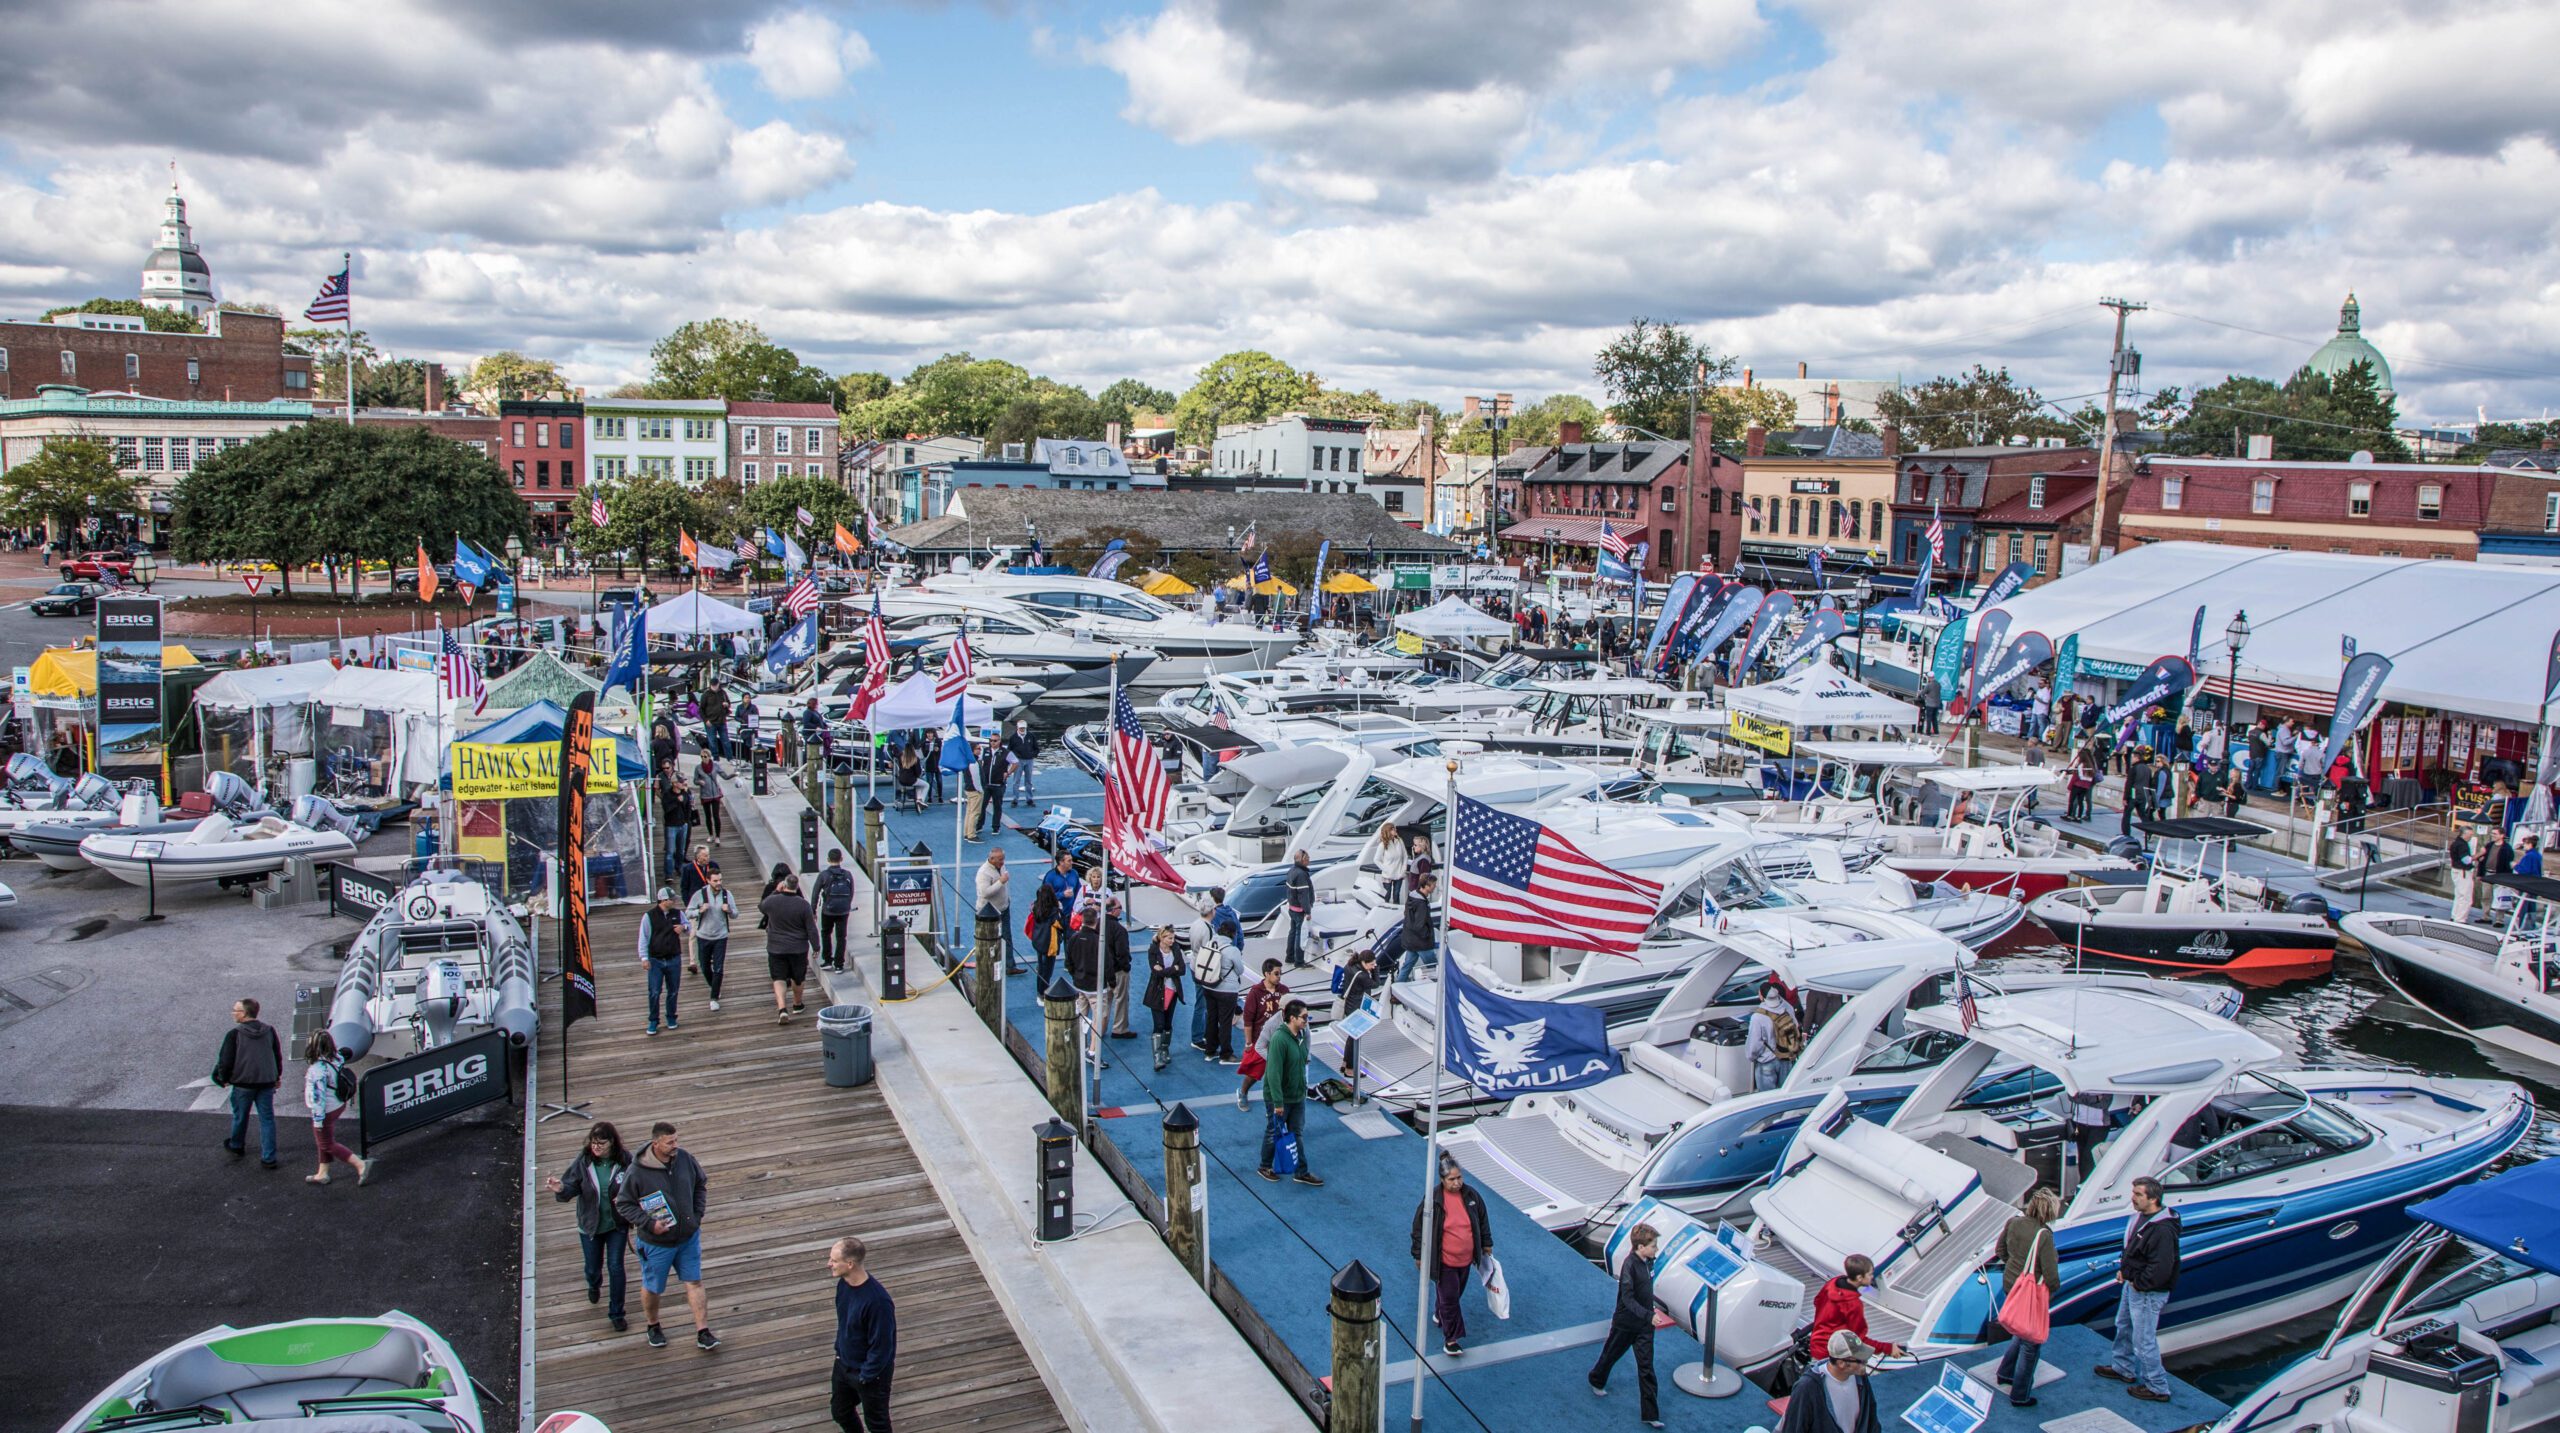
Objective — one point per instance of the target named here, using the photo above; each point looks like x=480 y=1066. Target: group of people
x=1001 y=766
x=701 y=910
x=249 y=1065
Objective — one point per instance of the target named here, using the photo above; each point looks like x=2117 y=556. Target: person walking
x=1115 y=969
x=2149 y=1272
x=1023 y=751
x=835 y=909
x=1220 y=973
x=1452 y=1234
x=695 y=873
x=2081 y=778
x=715 y=721
x=592 y=1180
x=1631 y=1325
x=708 y=796
x=1930 y=702
x=1284 y=1088
x=1421 y=929
x=1298 y=889
x=1771 y=1039
x=663 y=1199
x=866 y=1341
x=2466 y=876
x=994 y=767
x=1261 y=1002
x=327 y=1085
x=995 y=898
x=662 y=932
x=250 y=1064
x=675 y=799
x=786 y=946
x=1060 y=883
x=1164 y=991
x=709 y=914
x=2027 y=1252
x=1837 y=1395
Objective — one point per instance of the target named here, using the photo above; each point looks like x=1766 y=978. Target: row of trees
x=647 y=514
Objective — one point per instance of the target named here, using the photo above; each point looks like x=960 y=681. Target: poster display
x=129 y=715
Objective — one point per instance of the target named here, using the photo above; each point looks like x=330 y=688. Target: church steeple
x=176 y=275
x=2350 y=315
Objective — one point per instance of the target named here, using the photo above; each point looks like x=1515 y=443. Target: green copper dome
x=2349 y=348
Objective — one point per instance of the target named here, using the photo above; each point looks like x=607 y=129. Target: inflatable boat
x=390 y=1374
x=444 y=957
x=224 y=849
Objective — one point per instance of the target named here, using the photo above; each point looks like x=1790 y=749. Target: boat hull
x=57 y=844
x=2439 y=984
x=2252 y=949
x=178 y=865
x=2026 y=882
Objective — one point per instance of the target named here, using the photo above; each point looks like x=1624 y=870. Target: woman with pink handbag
x=2032 y=1276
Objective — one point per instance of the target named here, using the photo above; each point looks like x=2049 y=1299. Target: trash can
x=844 y=1034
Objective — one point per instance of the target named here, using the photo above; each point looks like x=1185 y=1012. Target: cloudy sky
x=1434 y=197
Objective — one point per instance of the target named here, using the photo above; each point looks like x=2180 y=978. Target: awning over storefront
x=1571 y=531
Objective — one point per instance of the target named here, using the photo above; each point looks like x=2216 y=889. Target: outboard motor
x=2126 y=848
x=29 y=776
x=231 y=795
x=92 y=792
x=319 y=815
x=441 y=993
x=2307 y=903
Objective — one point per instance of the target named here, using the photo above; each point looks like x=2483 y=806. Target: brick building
x=1646 y=491
x=2046 y=526
x=1800 y=502
x=240 y=358
x=158 y=439
x=775 y=440
x=2524 y=508
x=2373 y=509
x=1958 y=484
x=541 y=447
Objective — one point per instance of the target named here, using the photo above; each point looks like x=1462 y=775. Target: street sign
x=253 y=580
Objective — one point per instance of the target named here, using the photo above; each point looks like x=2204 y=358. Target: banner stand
x=577 y=957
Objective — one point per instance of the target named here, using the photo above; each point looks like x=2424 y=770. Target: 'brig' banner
x=409 y=1094
x=129 y=716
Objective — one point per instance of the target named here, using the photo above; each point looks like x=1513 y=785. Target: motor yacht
x=1008 y=631
x=2495 y=985
x=2193 y=912
x=2003 y=847
x=1187 y=646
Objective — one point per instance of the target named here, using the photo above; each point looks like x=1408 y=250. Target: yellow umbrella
x=1273 y=588
x=1163 y=584
x=1349 y=583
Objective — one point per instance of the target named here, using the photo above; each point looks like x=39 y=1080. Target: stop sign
x=253 y=579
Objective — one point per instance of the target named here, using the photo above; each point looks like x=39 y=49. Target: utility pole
x=2120 y=362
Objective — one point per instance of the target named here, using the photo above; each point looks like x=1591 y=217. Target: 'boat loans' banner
x=524 y=770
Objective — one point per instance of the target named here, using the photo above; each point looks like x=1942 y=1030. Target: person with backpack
x=1773 y=1038
x=250 y=1065
x=592 y=1180
x=707 y=796
x=327 y=1086
x=709 y=914
x=835 y=909
x=1221 y=979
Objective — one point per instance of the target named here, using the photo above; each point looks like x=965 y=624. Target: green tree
x=1124 y=400
x=954 y=394
x=2311 y=418
x=400 y=383
x=1536 y=423
x=63 y=483
x=732 y=359
x=644 y=515
x=157 y=320
x=1985 y=406
x=1246 y=386
x=1047 y=410
x=1736 y=409
x=857 y=388
x=777 y=503
x=508 y=375
x=1650 y=372
x=328 y=350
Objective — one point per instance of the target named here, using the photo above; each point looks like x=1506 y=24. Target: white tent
x=395 y=722
x=1822 y=695
x=1452 y=619
x=252 y=716
x=2462 y=636
x=912 y=704
x=691 y=614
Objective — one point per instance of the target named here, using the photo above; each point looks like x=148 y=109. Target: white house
x=682 y=438
x=1323 y=453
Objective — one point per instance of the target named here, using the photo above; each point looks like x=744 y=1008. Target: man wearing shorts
x=787 y=925
x=662 y=1201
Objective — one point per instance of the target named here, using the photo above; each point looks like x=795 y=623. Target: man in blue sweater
x=866 y=1341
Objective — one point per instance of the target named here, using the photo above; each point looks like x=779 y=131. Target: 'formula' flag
x=1517 y=880
x=1505 y=1046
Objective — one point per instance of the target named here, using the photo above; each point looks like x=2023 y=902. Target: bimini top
x=2095 y=1038
x=1992 y=778
x=2516 y=1213
x=2203 y=828
x=1875 y=753
x=2540 y=888
x=1822 y=695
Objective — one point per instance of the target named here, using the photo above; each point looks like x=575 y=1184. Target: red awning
x=1572 y=531
x=2270 y=694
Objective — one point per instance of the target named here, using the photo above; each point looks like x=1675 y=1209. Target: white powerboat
x=389 y=1374
x=222 y=849
x=57 y=843
x=2003 y=847
x=1008 y=631
x=2194 y=913
x=2498 y=987
x=444 y=957
x=1187 y=647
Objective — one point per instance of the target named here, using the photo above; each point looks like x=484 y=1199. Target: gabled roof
x=1608 y=462
x=2061 y=499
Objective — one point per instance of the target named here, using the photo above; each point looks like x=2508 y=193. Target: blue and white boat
x=2458 y=1331
x=2288 y=1182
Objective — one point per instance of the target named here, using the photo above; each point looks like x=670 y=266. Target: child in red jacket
x=1838 y=1304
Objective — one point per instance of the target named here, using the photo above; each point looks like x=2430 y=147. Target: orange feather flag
x=426 y=576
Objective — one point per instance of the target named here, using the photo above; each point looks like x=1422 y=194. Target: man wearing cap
x=1835 y=1396
x=1020 y=749
x=662 y=933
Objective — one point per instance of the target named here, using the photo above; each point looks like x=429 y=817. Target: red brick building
x=241 y=358
x=2047 y=525
x=781 y=440
x=1958 y=485
x=2373 y=509
x=1646 y=491
x=542 y=451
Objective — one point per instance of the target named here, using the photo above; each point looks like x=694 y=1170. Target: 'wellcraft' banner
x=1817 y=634
x=1675 y=601
x=2024 y=655
x=2159 y=682
x=1773 y=610
x=1741 y=605
x=577 y=956
x=2359 y=692
x=1990 y=639
x=1522 y=1047
x=1710 y=606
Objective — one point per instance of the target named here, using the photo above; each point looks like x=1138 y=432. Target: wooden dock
x=792 y=1164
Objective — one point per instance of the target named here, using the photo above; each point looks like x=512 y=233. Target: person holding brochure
x=662 y=1200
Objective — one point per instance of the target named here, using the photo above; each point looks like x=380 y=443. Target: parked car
x=69 y=599
x=98 y=566
x=405 y=579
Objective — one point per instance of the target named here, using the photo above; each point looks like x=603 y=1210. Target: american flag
x=331 y=305
x=462 y=679
x=1611 y=543
x=1517 y=880
x=1135 y=795
x=807 y=518
x=1937 y=537
x=802 y=598
x=953 y=679
x=596 y=512
x=875 y=662
x=1968 y=1010
x=747 y=548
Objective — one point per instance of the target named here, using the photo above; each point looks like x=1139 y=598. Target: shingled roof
x=1181 y=521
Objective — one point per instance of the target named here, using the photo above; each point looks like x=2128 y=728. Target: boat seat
x=2005 y=1177
x=396 y=1359
x=2503 y=1303
x=2189 y=900
x=210 y=831
x=1679 y=1074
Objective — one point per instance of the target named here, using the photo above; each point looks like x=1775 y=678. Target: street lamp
x=145 y=568
x=2235 y=637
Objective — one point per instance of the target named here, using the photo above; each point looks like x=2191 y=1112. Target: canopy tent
x=2454 y=631
x=692 y=614
x=1822 y=695
x=2516 y=1213
x=542 y=678
x=1452 y=618
x=517 y=832
x=71 y=673
x=911 y=705
x=258 y=688
x=1348 y=584
x=380 y=731
x=255 y=717
x=1274 y=587
x=1163 y=584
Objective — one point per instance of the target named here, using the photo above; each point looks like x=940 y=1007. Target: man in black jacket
x=251 y=1065
x=1299 y=890
x=1421 y=935
x=2149 y=1270
x=835 y=908
x=866 y=1341
x=1631 y=1324
x=1452 y=1234
x=1836 y=1395
x=663 y=1200
x=1021 y=749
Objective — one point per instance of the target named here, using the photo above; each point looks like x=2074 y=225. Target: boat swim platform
x=792 y=1164
x=1278 y=1245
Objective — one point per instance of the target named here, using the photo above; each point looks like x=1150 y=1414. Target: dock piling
x=1359 y=1358
x=987 y=981
x=1065 y=1072
x=1186 y=1194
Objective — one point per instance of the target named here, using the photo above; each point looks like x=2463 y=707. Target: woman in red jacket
x=1838 y=1305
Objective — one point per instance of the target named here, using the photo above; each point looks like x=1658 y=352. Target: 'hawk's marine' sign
x=524 y=770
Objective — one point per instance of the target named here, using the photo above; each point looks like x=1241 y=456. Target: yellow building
x=1796 y=503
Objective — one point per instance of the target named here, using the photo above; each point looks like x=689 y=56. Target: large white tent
x=396 y=722
x=1822 y=695
x=1452 y=619
x=911 y=705
x=255 y=716
x=2462 y=637
x=692 y=614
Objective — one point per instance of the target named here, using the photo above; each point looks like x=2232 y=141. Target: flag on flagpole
x=845 y=541
x=953 y=679
x=1968 y=1009
x=712 y=557
x=1518 y=880
x=1262 y=568
x=1135 y=796
x=746 y=547
x=332 y=304
x=1611 y=543
x=875 y=663
x=802 y=598
x=773 y=542
x=462 y=678
x=1937 y=537
x=595 y=511
x=426 y=576
x=687 y=549
x=806 y=517
x=793 y=555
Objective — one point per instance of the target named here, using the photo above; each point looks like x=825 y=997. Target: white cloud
x=805 y=55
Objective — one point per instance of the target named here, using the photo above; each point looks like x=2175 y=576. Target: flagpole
x=1102 y=932
x=1431 y=1129
x=347 y=267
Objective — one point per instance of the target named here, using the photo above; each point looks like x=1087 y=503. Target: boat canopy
x=2120 y=1041
x=1822 y=695
x=1985 y=780
x=1874 y=753
x=1289 y=766
x=2203 y=828
x=1452 y=618
x=2516 y=1213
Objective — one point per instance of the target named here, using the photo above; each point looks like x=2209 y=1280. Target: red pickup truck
x=99 y=566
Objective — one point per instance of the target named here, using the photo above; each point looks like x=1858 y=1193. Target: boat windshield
x=1735 y=886
x=2259 y=1126
x=1919 y=1050
x=2460 y=1270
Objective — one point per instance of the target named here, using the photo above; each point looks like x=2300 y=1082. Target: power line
x=2419 y=366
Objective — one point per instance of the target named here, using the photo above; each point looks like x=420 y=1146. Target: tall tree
x=1124 y=400
x=954 y=394
x=507 y=375
x=1650 y=372
x=66 y=481
x=2310 y=418
x=154 y=318
x=1047 y=409
x=1246 y=386
x=732 y=359
x=2491 y=437
x=1985 y=406
x=328 y=350
x=1736 y=409
x=1535 y=424
x=777 y=503
x=401 y=383
x=854 y=388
